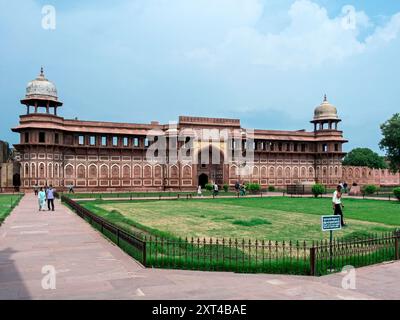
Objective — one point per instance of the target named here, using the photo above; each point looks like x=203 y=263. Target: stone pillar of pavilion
x=41 y=94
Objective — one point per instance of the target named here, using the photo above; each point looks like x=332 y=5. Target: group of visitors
x=240 y=188
x=45 y=195
x=215 y=190
x=344 y=186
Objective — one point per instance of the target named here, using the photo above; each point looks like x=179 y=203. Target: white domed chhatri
x=41 y=93
x=325 y=111
x=41 y=88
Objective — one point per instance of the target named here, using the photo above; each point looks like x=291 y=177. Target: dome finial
x=41 y=71
x=325 y=99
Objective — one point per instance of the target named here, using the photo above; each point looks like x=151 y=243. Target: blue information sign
x=330 y=223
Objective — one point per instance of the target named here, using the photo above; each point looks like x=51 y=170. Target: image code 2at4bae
x=201 y=309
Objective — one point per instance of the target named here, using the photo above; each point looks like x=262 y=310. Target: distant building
x=9 y=169
x=100 y=156
x=5 y=151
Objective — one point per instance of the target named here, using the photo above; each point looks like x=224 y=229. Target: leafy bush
x=271 y=188
x=396 y=192
x=253 y=187
x=226 y=187
x=317 y=189
x=209 y=187
x=369 y=189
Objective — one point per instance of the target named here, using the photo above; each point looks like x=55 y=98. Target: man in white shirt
x=337 y=203
x=215 y=189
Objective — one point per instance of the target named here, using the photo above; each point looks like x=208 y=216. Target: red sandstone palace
x=96 y=156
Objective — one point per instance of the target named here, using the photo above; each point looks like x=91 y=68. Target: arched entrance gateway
x=210 y=169
x=203 y=179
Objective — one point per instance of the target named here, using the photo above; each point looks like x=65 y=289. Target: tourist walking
x=337 y=204
x=199 y=192
x=71 y=188
x=243 y=189
x=237 y=186
x=215 y=189
x=36 y=189
x=50 y=198
x=41 y=199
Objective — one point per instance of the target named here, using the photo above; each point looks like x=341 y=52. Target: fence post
x=396 y=247
x=312 y=261
x=118 y=237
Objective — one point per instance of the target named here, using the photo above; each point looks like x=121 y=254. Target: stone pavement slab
x=88 y=266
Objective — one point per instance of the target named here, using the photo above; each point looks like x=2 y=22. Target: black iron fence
x=326 y=257
x=292 y=257
x=301 y=189
x=228 y=255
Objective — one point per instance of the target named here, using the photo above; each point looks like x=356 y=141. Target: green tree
x=364 y=157
x=390 y=142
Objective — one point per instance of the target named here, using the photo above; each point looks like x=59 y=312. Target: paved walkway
x=88 y=266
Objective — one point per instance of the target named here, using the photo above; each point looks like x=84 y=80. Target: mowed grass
x=274 y=218
x=7 y=203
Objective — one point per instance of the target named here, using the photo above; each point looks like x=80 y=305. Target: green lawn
x=273 y=218
x=7 y=203
x=144 y=194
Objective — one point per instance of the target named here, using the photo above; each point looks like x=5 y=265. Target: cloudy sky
x=267 y=62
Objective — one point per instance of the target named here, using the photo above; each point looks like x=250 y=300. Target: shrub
x=209 y=187
x=226 y=187
x=253 y=187
x=317 y=189
x=396 y=192
x=369 y=189
x=271 y=188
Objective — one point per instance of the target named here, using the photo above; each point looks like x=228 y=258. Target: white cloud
x=386 y=33
x=311 y=39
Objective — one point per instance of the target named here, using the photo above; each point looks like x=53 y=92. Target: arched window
x=115 y=171
x=137 y=171
x=187 y=172
x=233 y=171
x=69 y=171
x=41 y=170
x=56 y=170
x=174 y=172
x=92 y=171
x=104 y=171
x=33 y=170
x=271 y=172
x=26 y=173
x=81 y=171
x=147 y=171
x=126 y=171
x=50 y=170
x=263 y=172
x=255 y=171
x=157 y=172
x=280 y=172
